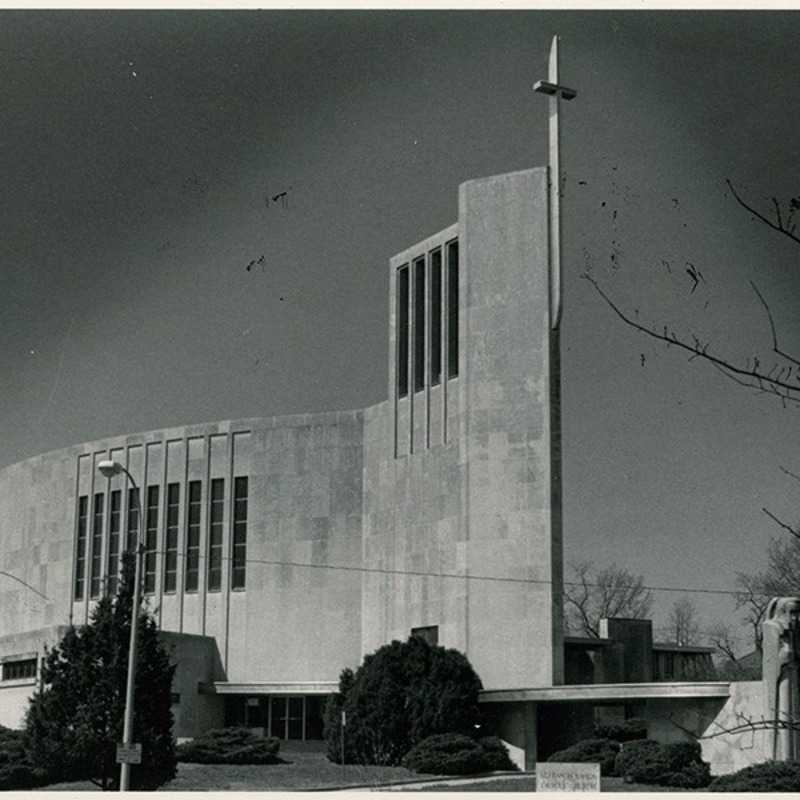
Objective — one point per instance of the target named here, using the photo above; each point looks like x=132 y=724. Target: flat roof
x=608 y=691
x=285 y=687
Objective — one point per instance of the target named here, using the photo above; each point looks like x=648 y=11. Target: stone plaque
x=555 y=777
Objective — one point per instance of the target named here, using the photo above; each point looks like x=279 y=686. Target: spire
x=555 y=91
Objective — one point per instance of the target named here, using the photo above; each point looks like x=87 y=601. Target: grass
x=527 y=783
x=305 y=769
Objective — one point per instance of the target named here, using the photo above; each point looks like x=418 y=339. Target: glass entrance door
x=287 y=715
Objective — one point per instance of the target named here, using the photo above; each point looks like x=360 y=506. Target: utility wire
x=26 y=585
x=453 y=575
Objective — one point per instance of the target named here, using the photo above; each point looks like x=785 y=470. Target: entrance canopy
x=284 y=688
x=608 y=691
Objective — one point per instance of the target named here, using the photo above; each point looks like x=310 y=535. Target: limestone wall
x=458 y=530
x=296 y=619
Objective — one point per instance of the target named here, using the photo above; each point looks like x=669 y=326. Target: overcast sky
x=141 y=152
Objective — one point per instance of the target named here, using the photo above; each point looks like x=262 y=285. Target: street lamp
x=109 y=469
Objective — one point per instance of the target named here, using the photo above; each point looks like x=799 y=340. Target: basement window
x=18 y=670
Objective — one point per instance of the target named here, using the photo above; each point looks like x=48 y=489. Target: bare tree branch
x=759 y=379
x=775 y=346
x=782 y=524
x=789 y=473
x=776 y=227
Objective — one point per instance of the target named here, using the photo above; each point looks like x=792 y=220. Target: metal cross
x=555 y=91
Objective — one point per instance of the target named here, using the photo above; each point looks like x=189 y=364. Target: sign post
x=344 y=725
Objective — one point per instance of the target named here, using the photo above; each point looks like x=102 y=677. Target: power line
x=450 y=575
x=26 y=585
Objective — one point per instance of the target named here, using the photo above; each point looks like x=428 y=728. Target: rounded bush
x=625 y=731
x=772 y=776
x=497 y=757
x=676 y=764
x=596 y=751
x=230 y=746
x=18 y=776
x=457 y=754
x=402 y=693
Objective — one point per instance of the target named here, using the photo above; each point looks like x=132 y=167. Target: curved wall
x=293 y=621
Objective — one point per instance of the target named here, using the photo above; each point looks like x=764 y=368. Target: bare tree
x=780 y=578
x=777 y=372
x=590 y=594
x=683 y=625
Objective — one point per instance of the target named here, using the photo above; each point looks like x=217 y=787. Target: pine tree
x=74 y=721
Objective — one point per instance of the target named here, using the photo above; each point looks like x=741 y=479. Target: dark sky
x=138 y=150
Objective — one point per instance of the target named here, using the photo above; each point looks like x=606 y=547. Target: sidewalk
x=452 y=782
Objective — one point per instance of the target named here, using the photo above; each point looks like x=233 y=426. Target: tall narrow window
x=97 y=546
x=171 y=543
x=193 y=538
x=436 y=317
x=452 y=309
x=216 y=510
x=419 y=324
x=113 y=542
x=80 y=555
x=402 y=331
x=238 y=570
x=151 y=540
x=134 y=512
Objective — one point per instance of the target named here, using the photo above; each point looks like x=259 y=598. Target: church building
x=280 y=550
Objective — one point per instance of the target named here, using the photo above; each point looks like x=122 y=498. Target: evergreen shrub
x=772 y=776
x=230 y=746
x=593 y=751
x=16 y=771
x=677 y=764
x=75 y=719
x=625 y=731
x=457 y=754
x=401 y=694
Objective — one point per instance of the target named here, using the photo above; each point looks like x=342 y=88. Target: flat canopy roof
x=286 y=687
x=608 y=691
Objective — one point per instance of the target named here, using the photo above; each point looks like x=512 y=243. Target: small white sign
x=129 y=754
x=566 y=777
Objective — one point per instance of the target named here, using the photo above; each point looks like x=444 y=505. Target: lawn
x=527 y=783
x=305 y=769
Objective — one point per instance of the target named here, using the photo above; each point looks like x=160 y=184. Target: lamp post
x=109 y=469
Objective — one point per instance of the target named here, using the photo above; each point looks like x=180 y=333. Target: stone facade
x=438 y=508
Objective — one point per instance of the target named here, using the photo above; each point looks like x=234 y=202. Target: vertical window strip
x=217 y=509
x=113 y=542
x=97 y=546
x=419 y=324
x=436 y=318
x=402 y=331
x=151 y=540
x=171 y=544
x=134 y=511
x=193 y=538
x=80 y=555
x=452 y=309
x=239 y=563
